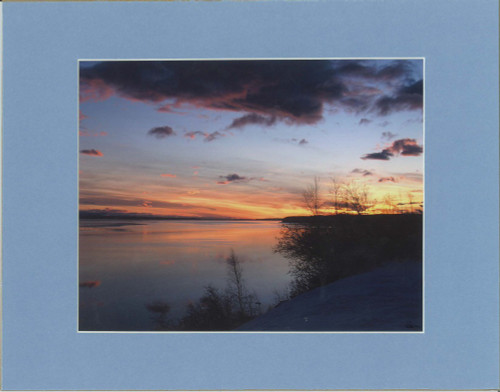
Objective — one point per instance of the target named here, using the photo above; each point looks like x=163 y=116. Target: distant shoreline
x=289 y=219
x=323 y=219
x=141 y=218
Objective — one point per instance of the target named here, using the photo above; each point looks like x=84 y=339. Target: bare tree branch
x=312 y=199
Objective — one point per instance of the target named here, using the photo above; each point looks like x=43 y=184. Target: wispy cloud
x=168 y=175
x=301 y=142
x=411 y=177
x=95 y=90
x=193 y=134
x=167 y=262
x=86 y=133
x=388 y=135
x=120 y=201
x=115 y=213
x=212 y=136
x=207 y=137
x=364 y=172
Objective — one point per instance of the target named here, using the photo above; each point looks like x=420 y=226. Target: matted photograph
x=238 y=195
x=251 y=196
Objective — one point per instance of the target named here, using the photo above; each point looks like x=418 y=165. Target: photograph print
x=251 y=195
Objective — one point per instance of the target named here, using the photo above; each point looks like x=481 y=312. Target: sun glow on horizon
x=245 y=139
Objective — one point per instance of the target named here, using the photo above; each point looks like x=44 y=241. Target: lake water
x=124 y=266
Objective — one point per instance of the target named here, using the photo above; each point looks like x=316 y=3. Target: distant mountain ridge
x=113 y=214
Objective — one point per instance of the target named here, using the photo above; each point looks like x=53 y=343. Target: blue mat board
x=42 y=45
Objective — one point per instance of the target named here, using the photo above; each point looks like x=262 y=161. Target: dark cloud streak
x=161 y=132
x=232 y=178
x=236 y=178
x=252 y=119
x=92 y=152
x=384 y=155
x=387 y=179
x=405 y=147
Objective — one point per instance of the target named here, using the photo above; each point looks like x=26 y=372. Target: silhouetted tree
x=410 y=202
x=226 y=310
x=311 y=252
x=212 y=312
x=312 y=199
x=391 y=207
x=337 y=193
x=235 y=280
x=357 y=197
x=323 y=253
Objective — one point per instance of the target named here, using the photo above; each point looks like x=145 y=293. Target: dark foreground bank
x=385 y=299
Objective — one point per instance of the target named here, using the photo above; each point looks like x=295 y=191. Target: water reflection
x=171 y=262
x=159 y=311
x=215 y=276
x=216 y=310
x=90 y=284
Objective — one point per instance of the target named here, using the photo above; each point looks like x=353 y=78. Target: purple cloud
x=405 y=147
x=161 y=132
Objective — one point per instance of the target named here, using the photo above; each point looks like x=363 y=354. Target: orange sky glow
x=241 y=141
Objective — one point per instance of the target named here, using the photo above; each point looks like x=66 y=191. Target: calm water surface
x=126 y=265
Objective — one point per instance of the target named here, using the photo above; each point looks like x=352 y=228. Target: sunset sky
x=243 y=139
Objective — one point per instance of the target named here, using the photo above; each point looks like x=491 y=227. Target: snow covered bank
x=386 y=299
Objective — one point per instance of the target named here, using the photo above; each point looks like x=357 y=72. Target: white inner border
x=1 y=188
x=237 y=332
